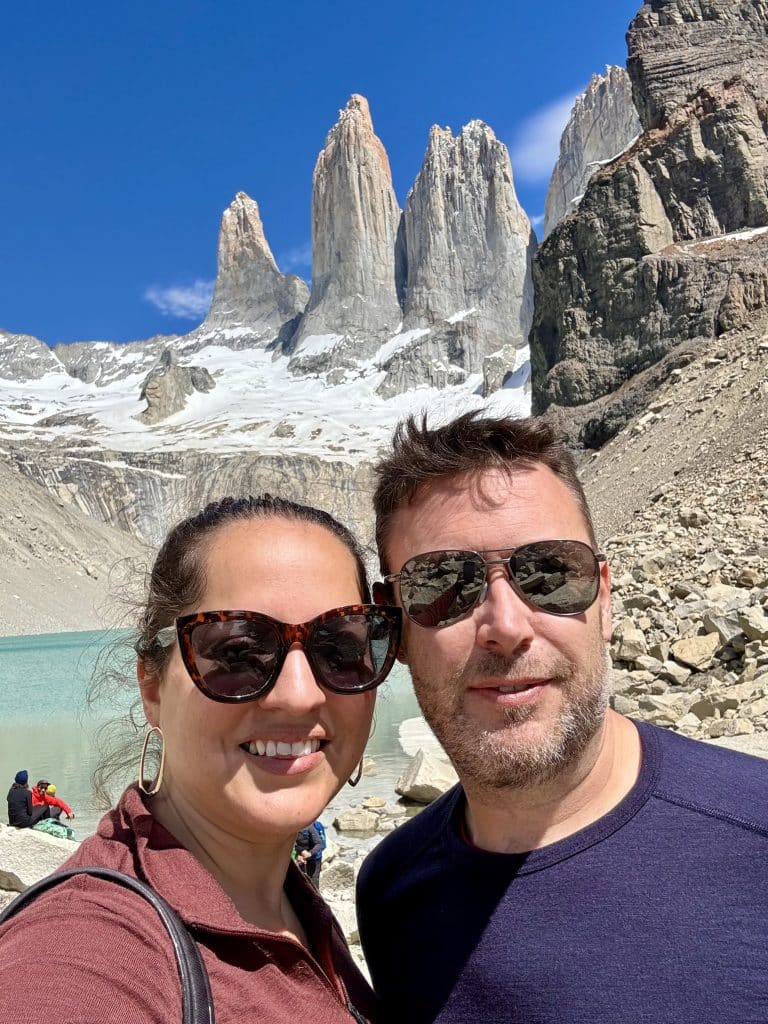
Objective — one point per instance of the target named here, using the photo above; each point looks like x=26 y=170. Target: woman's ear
x=149 y=687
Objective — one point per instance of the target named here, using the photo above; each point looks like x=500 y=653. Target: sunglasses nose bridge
x=495 y=567
x=294 y=683
x=292 y=635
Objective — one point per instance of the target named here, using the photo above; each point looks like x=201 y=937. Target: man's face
x=514 y=694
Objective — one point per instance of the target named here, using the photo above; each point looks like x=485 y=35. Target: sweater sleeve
x=113 y=961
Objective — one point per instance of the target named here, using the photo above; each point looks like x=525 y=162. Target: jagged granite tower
x=468 y=243
x=251 y=295
x=602 y=124
x=355 y=217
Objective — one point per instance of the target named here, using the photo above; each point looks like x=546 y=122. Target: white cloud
x=536 y=144
x=536 y=222
x=299 y=258
x=188 y=302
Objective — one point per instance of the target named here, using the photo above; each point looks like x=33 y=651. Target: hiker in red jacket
x=45 y=793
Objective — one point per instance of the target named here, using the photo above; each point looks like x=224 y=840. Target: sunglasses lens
x=440 y=587
x=560 y=577
x=353 y=651
x=235 y=658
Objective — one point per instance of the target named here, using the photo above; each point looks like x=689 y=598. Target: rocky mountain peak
x=679 y=47
x=355 y=217
x=467 y=242
x=242 y=230
x=250 y=291
x=602 y=124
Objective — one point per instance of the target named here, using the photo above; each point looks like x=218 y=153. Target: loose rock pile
x=690 y=585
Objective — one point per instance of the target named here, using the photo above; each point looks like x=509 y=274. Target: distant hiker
x=21 y=812
x=310 y=843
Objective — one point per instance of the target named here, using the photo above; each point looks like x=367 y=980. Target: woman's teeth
x=270 y=748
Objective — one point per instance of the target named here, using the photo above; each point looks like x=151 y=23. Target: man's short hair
x=468 y=445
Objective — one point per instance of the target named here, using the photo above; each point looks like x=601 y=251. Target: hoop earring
x=159 y=780
x=357 y=776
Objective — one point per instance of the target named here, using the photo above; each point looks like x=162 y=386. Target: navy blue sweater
x=658 y=912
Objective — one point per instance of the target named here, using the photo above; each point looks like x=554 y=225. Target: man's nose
x=296 y=689
x=504 y=620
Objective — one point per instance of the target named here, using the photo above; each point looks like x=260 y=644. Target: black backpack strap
x=197 y=1002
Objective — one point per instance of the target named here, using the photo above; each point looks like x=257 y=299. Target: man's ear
x=605 y=601
x=149 y=687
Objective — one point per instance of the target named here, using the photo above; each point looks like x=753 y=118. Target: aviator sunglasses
x=560 y=577
x=235 y=656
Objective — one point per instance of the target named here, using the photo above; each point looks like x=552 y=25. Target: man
x=587 y=868
x=309 y=852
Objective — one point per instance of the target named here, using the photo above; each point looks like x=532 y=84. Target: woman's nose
x=504 y=621
x=296 y=688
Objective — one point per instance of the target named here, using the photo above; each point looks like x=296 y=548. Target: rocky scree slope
x=680 y=497
x=670 y=241
x=59 y=569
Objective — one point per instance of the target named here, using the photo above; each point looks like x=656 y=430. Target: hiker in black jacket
x=21 y=813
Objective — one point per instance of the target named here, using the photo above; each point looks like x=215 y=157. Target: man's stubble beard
x=499 y=758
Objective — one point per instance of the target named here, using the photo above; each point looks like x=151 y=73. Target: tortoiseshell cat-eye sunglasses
x=236 y=656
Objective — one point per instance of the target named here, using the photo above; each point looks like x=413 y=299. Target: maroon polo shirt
x=109 y=960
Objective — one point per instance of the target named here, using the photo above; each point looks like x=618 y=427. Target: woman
x=21 y=810
x=260 y=724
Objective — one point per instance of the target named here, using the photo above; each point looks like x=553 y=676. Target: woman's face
x=291 y=571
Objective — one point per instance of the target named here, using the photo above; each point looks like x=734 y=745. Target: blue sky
x=128 y=128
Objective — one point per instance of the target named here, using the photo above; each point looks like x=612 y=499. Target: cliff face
x=23 y=357
x=467 y=243
x=144 y=493
x=355 y=218
x=602 y=124
x=665 y=245
x=677 y=48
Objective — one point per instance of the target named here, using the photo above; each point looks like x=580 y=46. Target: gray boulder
x=167 y=387
x=26 y=856
x=426 y=778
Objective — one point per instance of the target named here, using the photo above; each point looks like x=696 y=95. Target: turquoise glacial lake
x=47 y=728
